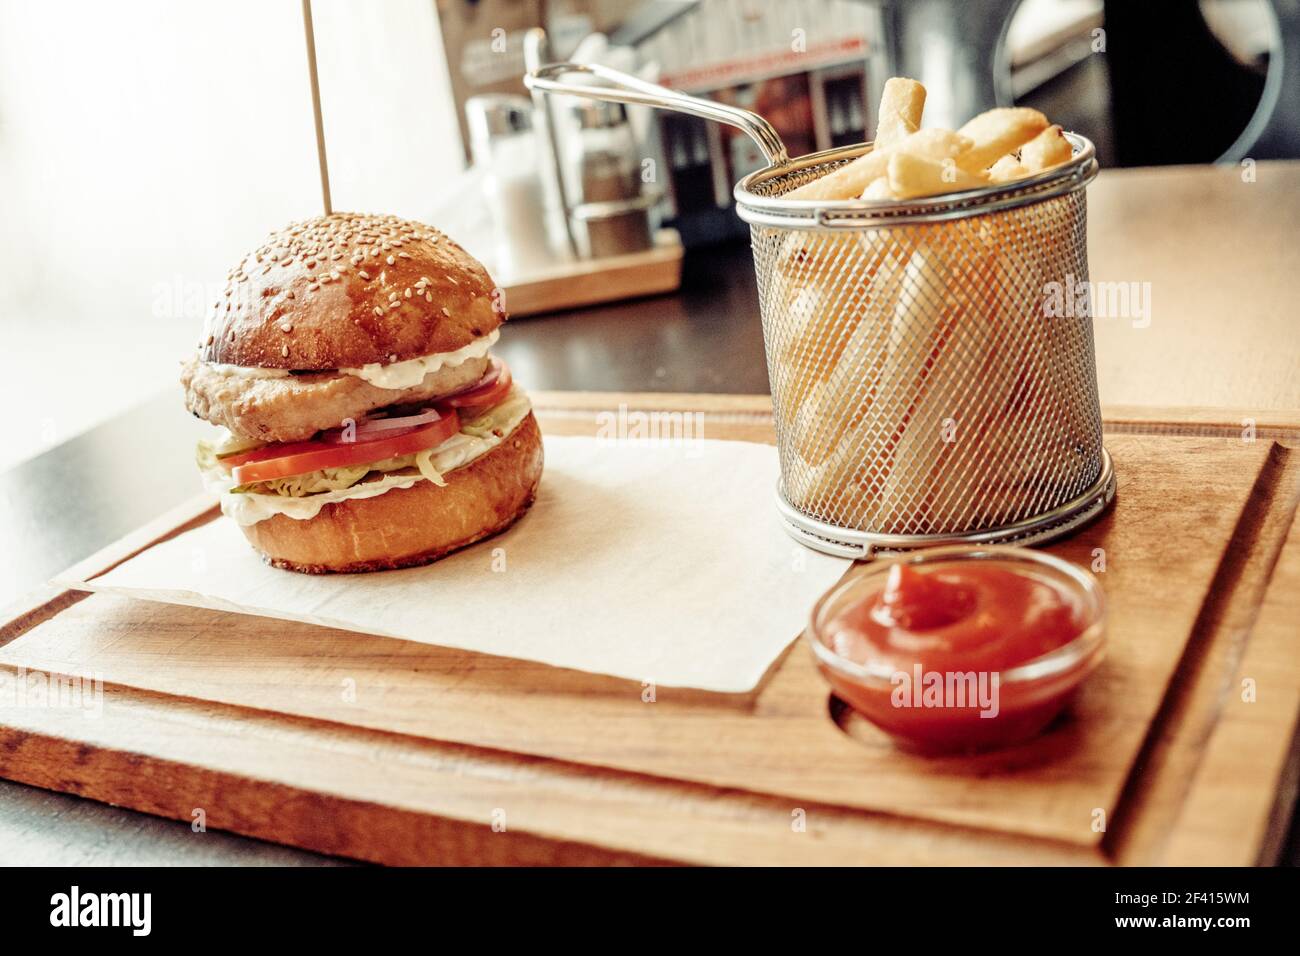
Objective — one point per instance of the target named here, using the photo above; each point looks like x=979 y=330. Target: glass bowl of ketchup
x=960 y=649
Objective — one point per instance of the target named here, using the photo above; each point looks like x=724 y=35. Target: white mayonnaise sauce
x=397 y=375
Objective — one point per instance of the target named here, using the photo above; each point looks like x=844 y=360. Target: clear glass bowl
x=1029 y=695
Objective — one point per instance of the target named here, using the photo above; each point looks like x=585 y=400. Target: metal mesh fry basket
x=932 y=369
x=931 y=362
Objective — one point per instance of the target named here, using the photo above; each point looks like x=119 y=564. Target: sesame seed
x=391 y=261
x=428 y=297
x=403 y=255
x=364 y=274
x=286 y=327
x=284 y=351
x=445 y=312
x=407 y=293
x=379 y=310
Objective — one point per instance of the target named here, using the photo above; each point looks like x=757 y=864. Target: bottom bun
x=411 y=526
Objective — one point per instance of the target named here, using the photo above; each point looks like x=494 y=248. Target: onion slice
x=371 y=428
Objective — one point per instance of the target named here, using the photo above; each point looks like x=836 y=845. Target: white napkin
x=657 y=561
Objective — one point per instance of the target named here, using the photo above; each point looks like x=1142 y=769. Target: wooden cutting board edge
x=1176 y=764
x=912 y=840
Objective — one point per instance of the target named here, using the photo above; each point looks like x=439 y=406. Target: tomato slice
x=285 y=459
x=488 y=391
x=268 y=451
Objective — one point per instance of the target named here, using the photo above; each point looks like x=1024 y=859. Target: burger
x=364 y=423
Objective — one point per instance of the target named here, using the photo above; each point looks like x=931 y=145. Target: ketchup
x=941 y=641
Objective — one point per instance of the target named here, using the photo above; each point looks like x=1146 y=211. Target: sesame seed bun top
x=347 y=290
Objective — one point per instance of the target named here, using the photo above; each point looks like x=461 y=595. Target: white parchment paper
x=653 y=561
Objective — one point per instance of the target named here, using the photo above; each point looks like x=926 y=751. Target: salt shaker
x=504 y=146
x=608 y=209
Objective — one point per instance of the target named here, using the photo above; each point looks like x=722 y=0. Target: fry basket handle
x=632 y=89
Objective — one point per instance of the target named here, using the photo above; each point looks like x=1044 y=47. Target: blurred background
x=145 y=144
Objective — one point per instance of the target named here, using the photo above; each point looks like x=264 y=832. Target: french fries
x=892 y=335
x=997 y=132
x=1007 y=169
x=990 y=464
x=901 y=104
x=827 y=349
x=878 y=189
x=1049 y=148
x=911 y=176
x=852 y=179
x=906 y=162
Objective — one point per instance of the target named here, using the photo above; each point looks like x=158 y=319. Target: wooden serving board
x=399 y=752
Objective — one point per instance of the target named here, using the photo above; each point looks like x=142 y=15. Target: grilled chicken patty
x=295 y=407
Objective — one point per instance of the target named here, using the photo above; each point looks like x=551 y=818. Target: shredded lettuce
x=479 y=428
x=295 y=486
x=209 y=453
x=490 y=422
x=424 y=461
x=338 y=479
